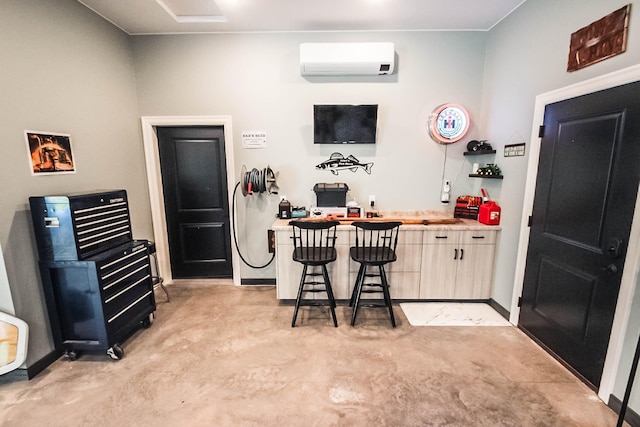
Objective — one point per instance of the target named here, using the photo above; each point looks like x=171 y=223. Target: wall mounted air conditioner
x=346 y=59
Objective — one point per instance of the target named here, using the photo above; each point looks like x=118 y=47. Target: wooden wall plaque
x=599 y=40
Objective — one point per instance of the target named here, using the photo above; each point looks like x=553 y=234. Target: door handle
x=455 y=254
x=461 y=254
x=611 y=269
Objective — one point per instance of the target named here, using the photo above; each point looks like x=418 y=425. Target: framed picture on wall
x=49 y=153
x=599 y=40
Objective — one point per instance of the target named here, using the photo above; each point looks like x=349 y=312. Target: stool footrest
x=361 y=287
x=368 y=305
x=314 y=287
x=314 y=304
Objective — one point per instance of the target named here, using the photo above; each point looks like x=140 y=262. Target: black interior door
x=194 y=172
x=585 y=195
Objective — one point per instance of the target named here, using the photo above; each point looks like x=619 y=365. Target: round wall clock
x=448 y=123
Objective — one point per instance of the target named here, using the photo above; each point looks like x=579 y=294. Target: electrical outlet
x=271 y=239
x=372 y=200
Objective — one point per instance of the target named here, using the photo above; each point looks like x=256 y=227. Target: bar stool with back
x=375 y=246
x=314 y=246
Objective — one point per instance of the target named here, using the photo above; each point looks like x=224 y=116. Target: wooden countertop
x=409 y=223
x=406 y=220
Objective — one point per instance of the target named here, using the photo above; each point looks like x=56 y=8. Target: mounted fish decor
x=338 y=162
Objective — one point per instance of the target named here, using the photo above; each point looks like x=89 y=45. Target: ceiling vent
x=346 y=59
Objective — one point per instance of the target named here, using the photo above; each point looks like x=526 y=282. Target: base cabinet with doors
x=457 y=264
x=434 y=262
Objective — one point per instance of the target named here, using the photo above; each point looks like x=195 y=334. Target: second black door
x=194 y=172
x=583 y=208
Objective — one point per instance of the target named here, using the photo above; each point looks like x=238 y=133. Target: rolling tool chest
x=97 y=280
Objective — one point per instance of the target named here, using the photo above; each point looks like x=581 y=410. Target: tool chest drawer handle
x=127 y=308
x=121 y=278
x=133 y=285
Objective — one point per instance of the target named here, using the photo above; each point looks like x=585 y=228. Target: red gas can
x=489 y=213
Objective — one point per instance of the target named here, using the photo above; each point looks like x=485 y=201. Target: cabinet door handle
x=461 y=254
x=477 y=237
x=455 y=254
x=441 y=237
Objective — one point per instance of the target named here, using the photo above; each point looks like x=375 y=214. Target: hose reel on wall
x=260 y=181
x=255 y=181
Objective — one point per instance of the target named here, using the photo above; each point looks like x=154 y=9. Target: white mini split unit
x=346 y=59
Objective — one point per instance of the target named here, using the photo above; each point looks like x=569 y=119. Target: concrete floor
x=227 y=356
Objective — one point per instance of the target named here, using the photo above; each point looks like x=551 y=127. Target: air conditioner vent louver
x=345 y=59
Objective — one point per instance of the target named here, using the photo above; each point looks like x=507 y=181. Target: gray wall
x=64 y=69
x=526 y=56
x=255 y=78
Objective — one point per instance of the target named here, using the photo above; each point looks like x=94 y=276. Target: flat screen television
x=345 y=124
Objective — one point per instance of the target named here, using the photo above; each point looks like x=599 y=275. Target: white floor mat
x=452 y=314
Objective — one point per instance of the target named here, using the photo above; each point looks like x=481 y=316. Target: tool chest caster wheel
x=115 y=352
x=147 y=321
x=71 y=355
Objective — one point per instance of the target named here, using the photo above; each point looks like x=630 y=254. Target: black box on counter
x=329 y=195
x=467 y=207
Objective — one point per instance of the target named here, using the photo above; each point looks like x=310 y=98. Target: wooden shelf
x=475 y=175
x=479 y=152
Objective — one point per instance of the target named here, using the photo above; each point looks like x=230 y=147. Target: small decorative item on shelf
x=477 y=148
x=490 y=170
x=475 y=145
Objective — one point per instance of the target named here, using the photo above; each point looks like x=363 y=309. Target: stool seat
x=314 y=256
x=314 y=246
x=375 y=246
x=373 y=256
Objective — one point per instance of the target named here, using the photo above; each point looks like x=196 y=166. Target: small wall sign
x=513 y=150
x=254 y=139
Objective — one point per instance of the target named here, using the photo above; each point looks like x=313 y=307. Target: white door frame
x=154 y=180
x=632 y=260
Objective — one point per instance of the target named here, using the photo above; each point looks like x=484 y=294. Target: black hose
x=256 y=181
x=235 y=239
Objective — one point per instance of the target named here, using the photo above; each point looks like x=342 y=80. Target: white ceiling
x=180 y=16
